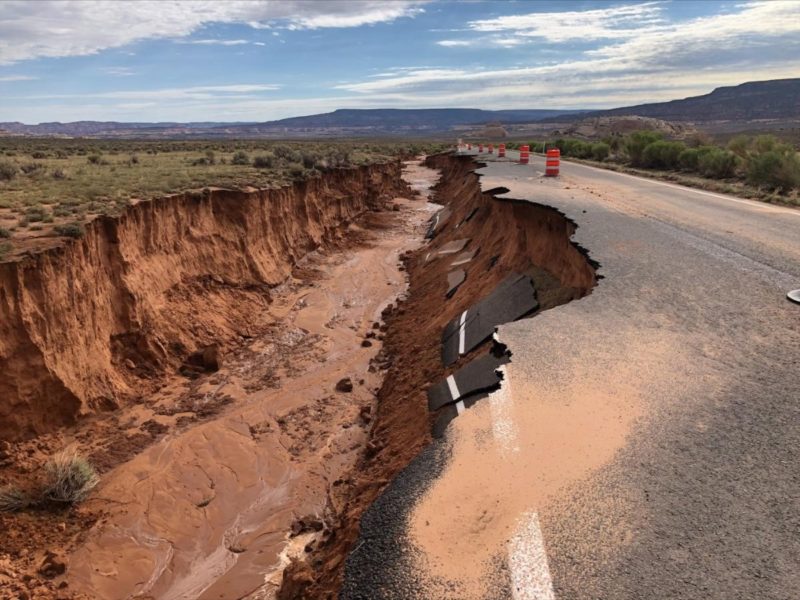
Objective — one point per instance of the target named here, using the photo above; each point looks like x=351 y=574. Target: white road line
x=460 y=408
x=762 y=206
x=501 y=404
x=462 y=332
x=527 y=561
x=455 y=394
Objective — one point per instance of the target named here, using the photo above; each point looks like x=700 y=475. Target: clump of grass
x=72 y=230
x=68 y=478
x=8 y=170
x=13 y=499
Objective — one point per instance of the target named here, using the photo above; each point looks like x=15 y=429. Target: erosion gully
x=251 y=480
x=218 y=510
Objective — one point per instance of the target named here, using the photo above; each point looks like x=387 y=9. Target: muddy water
x=206 y=513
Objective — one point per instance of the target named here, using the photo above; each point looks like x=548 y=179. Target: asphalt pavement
x=655 y=424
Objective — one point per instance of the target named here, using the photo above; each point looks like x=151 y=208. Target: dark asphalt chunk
x=437 y=221
x=464 y=257
x=453 y=247
x=512 y=299
x=478 y=376
x=470 y=215
x=451 y=411
x=454 y=280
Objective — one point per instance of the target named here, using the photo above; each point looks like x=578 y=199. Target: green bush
x=635 y=144
x=8 y=170
x=72 y=230
x=662 y=155
x=775 y=170
x=240 y=158
x=717 y=163
x=265 y=161
x=600 y=151
x=94 y=159
x=689 y=159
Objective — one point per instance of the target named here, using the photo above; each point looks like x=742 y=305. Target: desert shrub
x=133 y=160
x=286 y=153
x=240 y=158
x=265 y=161
x=309 y=159
x=688 y=159
x=12 y=499
x=635 y=143
x=717 y=163
x=58 y=173
x=30 y=168
x=61 y=211
x=600 y=150
x=775 y=170
x=38 y=155
x=662 y=155
x=739 y=145
x=8 y=170
x=4 y=233
x=5 y=248
x=211 y=158
x=68 y=478
x=35 y=214
x=94 y=159
x=71 y=230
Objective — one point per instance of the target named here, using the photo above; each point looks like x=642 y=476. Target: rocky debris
x=366 y=343
x=306 y=524
x=344 y=386
x=53 y=565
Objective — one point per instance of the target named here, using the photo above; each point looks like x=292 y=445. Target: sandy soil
x=240 y=476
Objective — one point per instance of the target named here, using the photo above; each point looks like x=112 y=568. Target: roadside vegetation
x=66 y=479
x=759 y=166
x=52 y=187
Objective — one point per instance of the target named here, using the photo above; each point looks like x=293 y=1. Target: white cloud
x=17 y=78
x=215 y=42
x=759 y=40
x=453 y=43
x=118 y=71
x=165 y=94
x=53 y=28
x=606 y=23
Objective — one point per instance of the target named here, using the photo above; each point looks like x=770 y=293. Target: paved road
x=650 y=438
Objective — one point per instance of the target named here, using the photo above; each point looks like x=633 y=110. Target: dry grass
x=13 y=499
x=68 y=478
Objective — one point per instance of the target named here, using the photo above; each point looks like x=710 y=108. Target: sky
x=210 y=60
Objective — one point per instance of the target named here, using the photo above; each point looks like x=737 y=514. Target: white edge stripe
x=460 y=408
x=462 y=332
x=527 y=562
x=455 y=394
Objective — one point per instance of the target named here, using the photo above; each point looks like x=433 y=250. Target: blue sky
x=258 y=61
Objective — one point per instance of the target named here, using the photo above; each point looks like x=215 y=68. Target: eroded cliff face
x=85 y=326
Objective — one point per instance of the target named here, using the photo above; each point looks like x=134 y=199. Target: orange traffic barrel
x=552 y=162
x=501 y=151
x=480 y=147
x=524 y=155
x=491 y=149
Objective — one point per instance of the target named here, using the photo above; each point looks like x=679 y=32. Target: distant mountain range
x=759 y=100
x=775 y=99
x=342 y=122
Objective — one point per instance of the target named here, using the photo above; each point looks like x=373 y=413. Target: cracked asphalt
x=691 y=327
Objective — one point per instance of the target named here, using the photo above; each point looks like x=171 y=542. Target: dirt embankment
x=509 y=237
x=95 y=323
